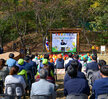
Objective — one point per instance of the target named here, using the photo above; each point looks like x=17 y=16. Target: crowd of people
x=85 y=74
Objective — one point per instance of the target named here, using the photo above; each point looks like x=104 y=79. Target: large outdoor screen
x=64 y=42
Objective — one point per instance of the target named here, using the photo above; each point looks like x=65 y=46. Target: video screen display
x=64 y=42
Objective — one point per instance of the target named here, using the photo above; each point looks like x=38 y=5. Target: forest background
x=19 y=18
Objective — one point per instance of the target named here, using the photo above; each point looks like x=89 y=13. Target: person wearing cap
x=43 y=87
x=75 y=85
x=100 y=86
x=11 y=62
x=60 y=62
x=92 y=65
x=97 y=75
x=21 y=64
x=46 y=56
x=50 y=76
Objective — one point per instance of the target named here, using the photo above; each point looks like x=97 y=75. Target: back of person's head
x=46 y=67
x=26 y=58
x=76 y=56
x=14 y=70
x=72 y=69
x=85 y=60
x=11 y=55
x=20 y=61
x=94 y=57
x=2 y=63
x=43 y=74
x=46 y=56
x=74 y=63
x=70 y=55
x=32 y=56
x=104 y=70
x=101 y=63
x=36 y=54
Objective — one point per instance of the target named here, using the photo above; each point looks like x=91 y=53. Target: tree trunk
x=1 y=42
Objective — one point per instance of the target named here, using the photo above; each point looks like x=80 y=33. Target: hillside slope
x=32 y=41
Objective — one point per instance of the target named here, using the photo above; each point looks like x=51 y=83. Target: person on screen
x=63 y=43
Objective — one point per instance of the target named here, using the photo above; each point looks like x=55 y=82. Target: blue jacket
x=11 y=62
x=60 y=64
x=100 y=86
x=76 y=86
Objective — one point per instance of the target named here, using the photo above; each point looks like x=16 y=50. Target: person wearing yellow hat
x=50 y=76
x=20 y=63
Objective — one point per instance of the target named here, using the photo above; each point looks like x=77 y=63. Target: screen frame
x=65 y=31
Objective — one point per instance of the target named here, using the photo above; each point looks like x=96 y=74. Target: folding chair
x=3 y=74
x=103 y=96
x=1 y=86
x=14 y=91
x=78 y=96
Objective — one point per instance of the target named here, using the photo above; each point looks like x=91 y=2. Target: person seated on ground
x=79 y=74
x=59 y=62
x=28 y=66
x=100 y=86
x=14 y=78
x=21 y=64
x=70 y=57
x=93 y=65
x=50 y=76
x=43 y=87
x=11 y=62
x=97 y=75
x=4 y=71
x=75 y=85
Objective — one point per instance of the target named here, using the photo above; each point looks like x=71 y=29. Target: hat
x=20 y=61
x=45 y=61
x=59 y=56
x=51 y=60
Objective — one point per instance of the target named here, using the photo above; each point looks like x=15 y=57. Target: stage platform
x=6 y=55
